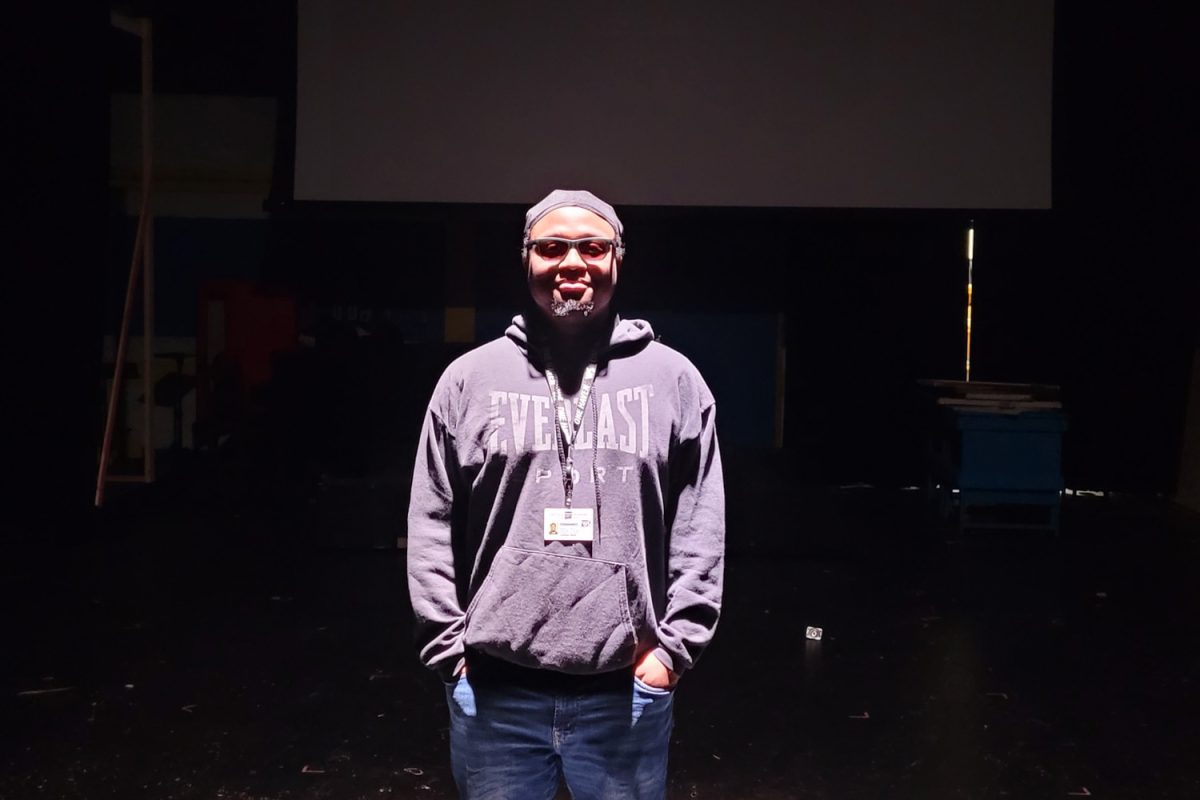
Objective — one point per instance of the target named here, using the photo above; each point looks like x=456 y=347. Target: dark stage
x=240 y=627
x=194 y=647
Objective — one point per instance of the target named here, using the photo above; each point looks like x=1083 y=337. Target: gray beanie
x=578 y=198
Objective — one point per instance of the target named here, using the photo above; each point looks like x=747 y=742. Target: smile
x=572 y=288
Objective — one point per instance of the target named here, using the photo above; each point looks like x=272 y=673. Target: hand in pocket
x=653 y=673
x=463 y=695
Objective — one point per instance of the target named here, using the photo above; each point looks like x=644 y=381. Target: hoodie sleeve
x=696 y=544
x=432 y=587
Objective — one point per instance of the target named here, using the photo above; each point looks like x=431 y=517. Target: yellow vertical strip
x=969 y=292
x=970 y=289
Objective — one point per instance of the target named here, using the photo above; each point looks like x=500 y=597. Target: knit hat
x=578 y=198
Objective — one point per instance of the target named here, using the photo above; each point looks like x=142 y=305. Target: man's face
x=555 y=282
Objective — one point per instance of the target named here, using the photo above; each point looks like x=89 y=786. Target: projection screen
x=920 y=104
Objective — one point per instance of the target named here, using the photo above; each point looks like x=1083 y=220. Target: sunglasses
x=555 y=249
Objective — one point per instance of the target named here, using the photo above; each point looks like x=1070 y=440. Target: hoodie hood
x=626 y=335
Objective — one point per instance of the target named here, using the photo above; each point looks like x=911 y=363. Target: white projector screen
x=916 y=104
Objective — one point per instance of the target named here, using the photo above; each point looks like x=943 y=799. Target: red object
x=244 y=325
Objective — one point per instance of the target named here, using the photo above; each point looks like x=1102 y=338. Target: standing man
x=566 y=530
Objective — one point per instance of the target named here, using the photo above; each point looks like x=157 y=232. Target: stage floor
x=189 y=649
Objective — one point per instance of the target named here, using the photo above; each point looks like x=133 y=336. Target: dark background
x=1098 y=294
x=190 y=646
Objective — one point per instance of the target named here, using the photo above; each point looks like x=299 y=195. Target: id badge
x=568 y=524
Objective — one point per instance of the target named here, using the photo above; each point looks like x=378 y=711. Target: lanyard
x=566 y=431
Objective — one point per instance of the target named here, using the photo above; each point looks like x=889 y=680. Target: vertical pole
x=141 y=256
x=148 y=247
x=114 y=393
x=970 y=289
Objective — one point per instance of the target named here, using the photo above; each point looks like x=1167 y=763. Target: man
x=566 y=530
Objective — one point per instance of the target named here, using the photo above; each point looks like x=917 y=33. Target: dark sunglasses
x=555 y=249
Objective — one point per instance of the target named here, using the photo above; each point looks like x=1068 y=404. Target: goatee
x=561 y=308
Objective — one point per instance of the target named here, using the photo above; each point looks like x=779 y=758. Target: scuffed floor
x=187 y=652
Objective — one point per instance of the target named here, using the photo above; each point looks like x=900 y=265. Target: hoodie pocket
x=553 y=611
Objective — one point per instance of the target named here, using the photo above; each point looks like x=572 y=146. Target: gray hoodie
x=481 y=575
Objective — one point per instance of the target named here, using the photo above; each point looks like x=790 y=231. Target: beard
x=561 y=308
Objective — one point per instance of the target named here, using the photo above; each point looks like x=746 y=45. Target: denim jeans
x=511 y=740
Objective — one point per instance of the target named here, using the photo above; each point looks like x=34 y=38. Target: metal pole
x=970 y=289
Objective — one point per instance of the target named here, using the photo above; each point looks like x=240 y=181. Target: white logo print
x=523 y=422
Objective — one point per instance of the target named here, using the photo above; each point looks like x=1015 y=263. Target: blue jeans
x=515 y=740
